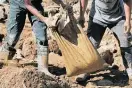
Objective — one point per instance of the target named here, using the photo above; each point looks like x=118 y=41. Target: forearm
x=127 y=8
x=83 y=6
x=33 y=10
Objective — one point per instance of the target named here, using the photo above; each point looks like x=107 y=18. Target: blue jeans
x=96 y=31
x=16 y=21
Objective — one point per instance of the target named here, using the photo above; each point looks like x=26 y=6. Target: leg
x=95 y=33
x=126 y=49
x=40 y=31
x=15 y=25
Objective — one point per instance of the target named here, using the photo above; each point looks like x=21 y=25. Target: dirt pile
x=11 y=77
x=28 y=77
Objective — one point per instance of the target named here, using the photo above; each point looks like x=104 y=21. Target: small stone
x=3 y=15
x=91 y=85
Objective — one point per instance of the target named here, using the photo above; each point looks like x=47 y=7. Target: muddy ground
x=27 y=76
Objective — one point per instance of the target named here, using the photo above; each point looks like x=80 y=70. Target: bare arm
x=127 y=8
x=83 y=6
x=33 y=10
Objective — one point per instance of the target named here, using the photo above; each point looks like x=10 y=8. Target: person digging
x=16 y=20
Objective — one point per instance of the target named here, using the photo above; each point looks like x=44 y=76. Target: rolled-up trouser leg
x=39 y=29
x=42 y=47
x=40 y=32
x=42 y=57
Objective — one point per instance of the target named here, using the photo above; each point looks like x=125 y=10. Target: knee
x=125 y=40
x=39 y=29
x=39 y=25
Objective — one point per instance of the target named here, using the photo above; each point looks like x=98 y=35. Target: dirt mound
x=12 y=77
x=28 y=77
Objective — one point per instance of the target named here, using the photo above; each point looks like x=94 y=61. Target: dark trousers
x=96 y=31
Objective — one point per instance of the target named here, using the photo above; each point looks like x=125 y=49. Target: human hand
x=127 y=27
x=45 y=20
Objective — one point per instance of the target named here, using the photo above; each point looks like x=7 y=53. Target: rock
x=6 y=6
x=104 y=83
x=107 y=56
x=91 y=85
x=74 y=86
x=28 y=48
x=3 y=14
x=53 y=46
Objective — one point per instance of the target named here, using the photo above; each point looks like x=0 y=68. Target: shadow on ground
x=53 y=69
x=112 y=78
x=57 y=70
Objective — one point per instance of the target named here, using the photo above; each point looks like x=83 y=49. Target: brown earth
x=28 y=77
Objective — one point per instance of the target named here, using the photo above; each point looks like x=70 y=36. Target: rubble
x=28 y=77
x=3 y=14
